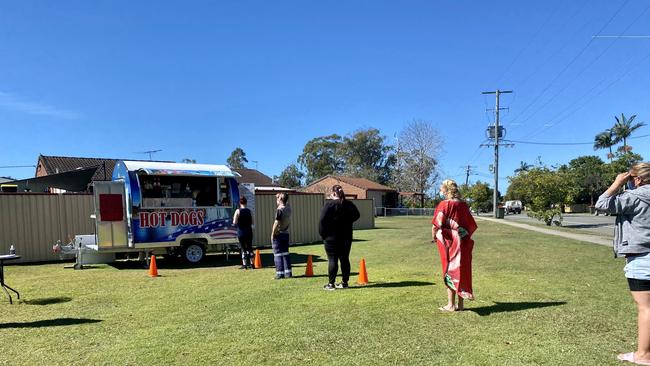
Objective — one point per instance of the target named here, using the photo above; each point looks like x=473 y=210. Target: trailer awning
x=159 y=168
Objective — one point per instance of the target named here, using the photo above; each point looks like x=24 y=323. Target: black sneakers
x=329 y=287
x=342 y=285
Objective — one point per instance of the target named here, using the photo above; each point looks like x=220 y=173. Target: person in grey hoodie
x=632 y=240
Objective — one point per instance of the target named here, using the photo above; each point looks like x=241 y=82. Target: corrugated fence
x=33 y=222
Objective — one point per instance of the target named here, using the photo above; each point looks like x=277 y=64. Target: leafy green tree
x=291 y=177
x=322 y=156
x=605 y=140
x=479 y=196
x=587 y=176
x=543 y=190
x=365 y=154
x=623 y=128
x=237 y=159
x=188 y=161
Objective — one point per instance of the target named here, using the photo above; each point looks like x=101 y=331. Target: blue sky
x=198 y=79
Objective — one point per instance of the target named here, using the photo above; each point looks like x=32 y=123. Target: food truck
x=166 y=208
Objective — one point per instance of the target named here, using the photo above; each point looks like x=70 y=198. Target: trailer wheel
x=194 y=252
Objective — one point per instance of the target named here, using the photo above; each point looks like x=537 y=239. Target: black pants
x=338 y=250
x=246 y=249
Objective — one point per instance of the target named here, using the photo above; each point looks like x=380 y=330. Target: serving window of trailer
x=182 y=191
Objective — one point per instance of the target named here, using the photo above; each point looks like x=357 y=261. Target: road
x=590 y=224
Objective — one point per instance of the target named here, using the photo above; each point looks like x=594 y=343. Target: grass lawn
x=540 y=300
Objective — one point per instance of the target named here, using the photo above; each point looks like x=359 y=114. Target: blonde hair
x=642 y=170
x=450 y=189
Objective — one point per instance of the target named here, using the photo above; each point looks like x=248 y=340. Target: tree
x=544 y=190
x=479 y=197
x=365 y=154
x=587 y=177
x=605 y=140
x=623 y=128
x=321 y=156
x=188 y=161
x=417 y=158
x=523 y=167
x=291 y=177
x=237 y=159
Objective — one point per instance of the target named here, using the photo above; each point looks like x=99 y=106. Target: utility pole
x=497 y=132
x=468 y=172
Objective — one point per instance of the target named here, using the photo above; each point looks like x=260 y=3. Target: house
x=360 y=188
x=50 y=165
x=262 y=182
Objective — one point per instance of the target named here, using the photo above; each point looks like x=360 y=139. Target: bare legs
x=642 y=300
x=451 y=302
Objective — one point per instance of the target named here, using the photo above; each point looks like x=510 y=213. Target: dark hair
x=243 y=200
x=338 y=190
x=284 y=197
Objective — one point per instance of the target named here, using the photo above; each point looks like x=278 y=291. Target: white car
x=513 y=207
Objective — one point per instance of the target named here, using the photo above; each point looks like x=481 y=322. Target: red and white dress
x=454 y=226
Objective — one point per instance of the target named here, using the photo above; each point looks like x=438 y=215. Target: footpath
x=589 y=238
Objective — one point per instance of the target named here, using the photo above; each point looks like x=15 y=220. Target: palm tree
x=523 y=167
x=605 y=140
x=623 y=128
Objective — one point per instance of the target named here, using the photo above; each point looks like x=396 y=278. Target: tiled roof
x=254 y=176
x=362 y=183
x=60 y=164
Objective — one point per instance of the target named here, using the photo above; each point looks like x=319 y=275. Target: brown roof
x=362 y=183
x=255 y=176
x=60 y=164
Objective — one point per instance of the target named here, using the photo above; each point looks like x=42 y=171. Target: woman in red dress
x=453 y=226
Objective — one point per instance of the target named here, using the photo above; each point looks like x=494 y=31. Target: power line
x=523 y=49
x=582 y=70
x=564 y=143
x=574 y=59
x=572 y=107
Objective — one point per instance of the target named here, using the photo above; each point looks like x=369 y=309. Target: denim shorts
x=638 y=266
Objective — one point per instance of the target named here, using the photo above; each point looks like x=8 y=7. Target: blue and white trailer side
x=177 y=209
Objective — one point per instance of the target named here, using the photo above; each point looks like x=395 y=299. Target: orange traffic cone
x=363 y=275
x=309 y=271
x=258 y=259
x=153 y=268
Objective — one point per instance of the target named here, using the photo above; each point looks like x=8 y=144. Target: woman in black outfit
x=336 y=219
x=243 y=219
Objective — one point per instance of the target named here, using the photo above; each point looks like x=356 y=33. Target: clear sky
x=197 y=79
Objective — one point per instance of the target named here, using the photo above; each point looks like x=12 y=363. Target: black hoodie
x=336 y=219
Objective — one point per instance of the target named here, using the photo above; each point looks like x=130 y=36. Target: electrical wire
x=582 y=70
x=573 y=60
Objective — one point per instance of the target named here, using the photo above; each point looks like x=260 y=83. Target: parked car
x=513 y=207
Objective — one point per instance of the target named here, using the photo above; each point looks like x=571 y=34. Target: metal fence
x=403 y=211
x=33 y=222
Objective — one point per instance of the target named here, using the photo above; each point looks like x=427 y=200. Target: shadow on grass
x=395 y=284
x=49 y=323
x=210 y=261
x=48 y=300
x=501 y=307
x=588 y=226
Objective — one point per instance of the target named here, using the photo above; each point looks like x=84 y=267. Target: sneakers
x=242 y=267
x=329 y=287
x=342 y=285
